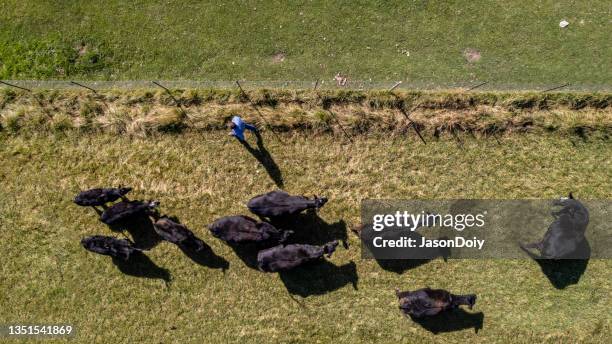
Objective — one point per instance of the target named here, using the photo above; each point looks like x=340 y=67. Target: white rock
x=563 y=23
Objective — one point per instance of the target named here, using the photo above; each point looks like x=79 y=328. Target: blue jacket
x=238 y=130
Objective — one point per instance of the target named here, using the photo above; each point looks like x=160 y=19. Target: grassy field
x=513 y=145
x=514 y=43
x=48 y=277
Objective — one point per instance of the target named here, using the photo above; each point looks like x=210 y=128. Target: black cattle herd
x=231 y=229
x=273 y=254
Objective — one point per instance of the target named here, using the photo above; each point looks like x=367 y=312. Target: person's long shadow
x=309 y=228
x=140 y=228
x=139 y=265
x=450 y=321
x=265 y=159
x=319 y=277
x=564 y=272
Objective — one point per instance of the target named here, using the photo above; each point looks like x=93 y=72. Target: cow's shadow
x=139 y=265
x=309 y=228
x=265 y=159
x=451 y=321
x=399 y=260
x=319 y=277
x=140 y=228
x=564 y=272
x=247 y=253
x=399 y=266
x=206 y=256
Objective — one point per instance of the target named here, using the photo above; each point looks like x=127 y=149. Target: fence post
x=176 y=102
x=340 y=125
x=475 y=87
x=403 y=111
x=555 y=88
x=81 y=85
x=258 y=112
x=42 y=106
x=394 y=86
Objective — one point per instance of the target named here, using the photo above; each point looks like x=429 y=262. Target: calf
x=178 y=234
x=429 y=302
x=278 y=203
x=282 y=258
x=109 y=246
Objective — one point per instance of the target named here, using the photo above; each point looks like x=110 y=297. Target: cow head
x=124 y=191
x=319 y=201
x=152 y=204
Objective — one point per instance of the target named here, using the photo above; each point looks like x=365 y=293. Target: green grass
x=520 y=42
x=47 y=277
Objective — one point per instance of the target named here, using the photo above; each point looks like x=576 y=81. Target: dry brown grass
x=143 y=112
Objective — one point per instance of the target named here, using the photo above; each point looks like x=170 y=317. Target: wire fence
x=321 y=84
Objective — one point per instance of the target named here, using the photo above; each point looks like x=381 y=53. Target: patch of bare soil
x=471 y=55
x=81 y=49
x=278 y=57
x=341 y=80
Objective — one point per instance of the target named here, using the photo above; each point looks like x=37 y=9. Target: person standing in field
x=237 y=125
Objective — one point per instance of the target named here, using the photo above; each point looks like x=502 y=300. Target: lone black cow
x=282 y=258
x=278 y=203
x=566 y=233
x=243 y=229
x=428 y=302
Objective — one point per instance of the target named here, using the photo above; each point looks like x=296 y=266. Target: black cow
x=100 y=196
x=282 y=258
x=243 y=229
x=109 y=246
x=277 y=204
x=428 y=302
x=565 y=235
x=126 y=209
x=178 y=234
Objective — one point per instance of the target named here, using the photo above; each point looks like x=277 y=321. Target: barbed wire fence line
x=318 y=84
x=97 y=87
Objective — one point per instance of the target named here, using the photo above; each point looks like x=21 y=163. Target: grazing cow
x=243 y=229
x=566 y=234
x=126 y=209
x=428 y=302
x=276 y=204
x=99 y=197
x=178 y=234
x=109 y=246
x=282 y=258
